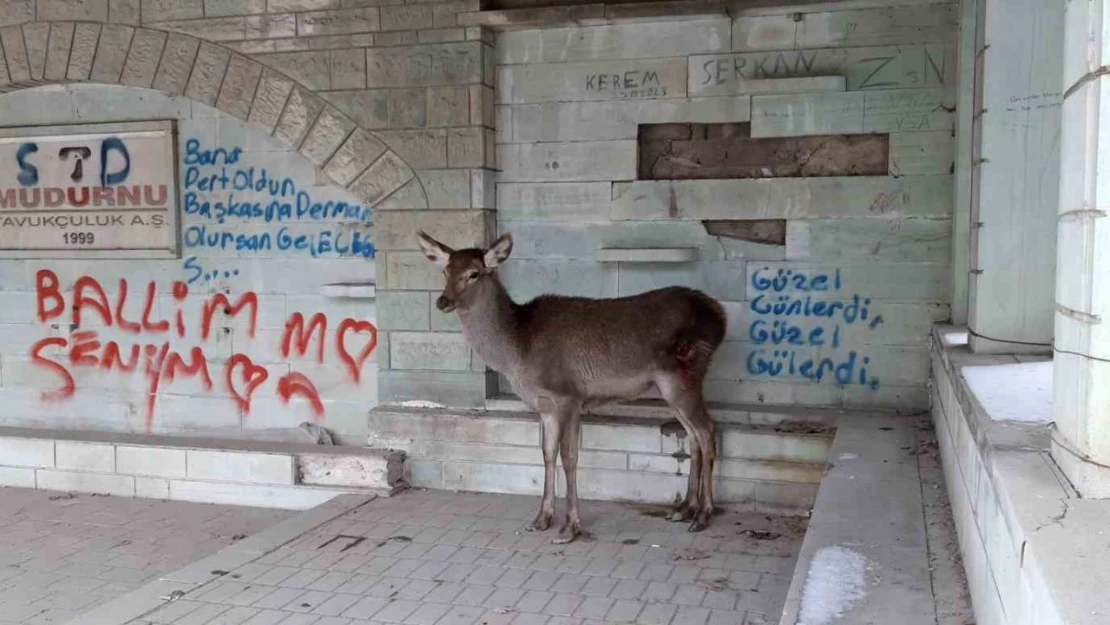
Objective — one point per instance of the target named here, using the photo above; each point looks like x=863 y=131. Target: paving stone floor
x=440 y=558
x=62 y=554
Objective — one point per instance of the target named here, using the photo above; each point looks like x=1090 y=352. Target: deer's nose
x=444 y=304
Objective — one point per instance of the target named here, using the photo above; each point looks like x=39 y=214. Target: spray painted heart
x=354 y=363
x=251 y=376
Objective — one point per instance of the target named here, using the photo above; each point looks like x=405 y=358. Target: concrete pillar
x=1081 y=402
x=965 y=121
x=1015 y=175
x=427 y=360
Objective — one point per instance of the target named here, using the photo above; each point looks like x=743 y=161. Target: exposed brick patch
x=728 y=151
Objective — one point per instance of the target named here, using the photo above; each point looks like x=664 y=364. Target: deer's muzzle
x=444 y=304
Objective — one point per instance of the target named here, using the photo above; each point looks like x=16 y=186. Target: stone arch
x=183 y=65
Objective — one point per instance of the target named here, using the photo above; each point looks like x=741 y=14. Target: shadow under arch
x=181 y=65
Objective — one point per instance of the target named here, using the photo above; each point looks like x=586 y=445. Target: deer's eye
x=472 y=275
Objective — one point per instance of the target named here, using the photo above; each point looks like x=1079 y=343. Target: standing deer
x=566 y=354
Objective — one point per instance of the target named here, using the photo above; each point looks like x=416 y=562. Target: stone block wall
x=837 y=315
x=423 y=116
x=384 y=109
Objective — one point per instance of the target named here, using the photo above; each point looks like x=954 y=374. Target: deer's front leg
x=550 y=436
x=569 y=449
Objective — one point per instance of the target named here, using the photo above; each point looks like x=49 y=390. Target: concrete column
x=1015 y=175
x=1081 y=402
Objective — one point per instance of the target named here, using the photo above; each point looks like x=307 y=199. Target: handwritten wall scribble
x=223 y=192
x=798 y=336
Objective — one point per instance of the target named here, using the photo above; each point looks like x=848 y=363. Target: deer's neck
x=490 y=325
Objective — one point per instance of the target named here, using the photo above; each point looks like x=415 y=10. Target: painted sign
x=88 y=191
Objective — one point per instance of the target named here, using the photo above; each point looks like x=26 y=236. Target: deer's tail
x=710 y=319
x=695 y=346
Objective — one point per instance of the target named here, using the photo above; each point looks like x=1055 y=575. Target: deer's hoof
x=682 y=513
x=696 y=526
x=566 y=535
x=539 y=524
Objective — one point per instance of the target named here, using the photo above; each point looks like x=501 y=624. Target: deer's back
x=577 y=341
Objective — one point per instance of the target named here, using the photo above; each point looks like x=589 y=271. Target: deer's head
x=464 y=270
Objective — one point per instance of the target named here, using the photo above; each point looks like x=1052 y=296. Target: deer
x=563 y=355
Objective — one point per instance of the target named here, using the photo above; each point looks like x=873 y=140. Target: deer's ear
x=434 y=251
x=499 y=251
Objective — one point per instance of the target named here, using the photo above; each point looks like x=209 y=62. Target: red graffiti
x=297 y=336
x=219 y=301
x=353 y=363
x=162 y=365
x=68 y=384
x=296 y=383
x=250 y=375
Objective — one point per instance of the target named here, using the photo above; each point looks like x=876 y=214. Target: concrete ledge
x=794 y=418
x=349 y=290
x=1033 y=550
x=154 y=595
x=766 y=467
x=870 y=504
x=646 y=255
x=592 y=14
x=258 y=473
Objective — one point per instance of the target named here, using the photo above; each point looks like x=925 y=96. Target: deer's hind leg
x=688 y=508
x=688 y=403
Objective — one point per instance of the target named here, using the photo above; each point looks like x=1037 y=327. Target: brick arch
x=182 y=65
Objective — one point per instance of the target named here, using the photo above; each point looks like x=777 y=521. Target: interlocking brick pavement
x=62 y=554
x=440 y=558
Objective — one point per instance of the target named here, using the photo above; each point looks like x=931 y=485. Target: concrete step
x=257 y=473
x=643 y=458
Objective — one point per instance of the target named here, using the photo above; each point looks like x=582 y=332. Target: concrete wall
x=397 y=104
x=569 y=102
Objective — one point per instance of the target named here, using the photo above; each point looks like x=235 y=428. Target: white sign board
x=89 y=191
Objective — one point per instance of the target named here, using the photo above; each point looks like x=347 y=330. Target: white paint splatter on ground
x=834 y=583
x=1013 y=392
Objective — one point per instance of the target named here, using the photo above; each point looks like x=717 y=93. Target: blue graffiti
x=355 y=244
x=795 y=279
x=196 y=272
x=28 y=173
x=113 y=144
x=286 y=201
x=796 y=310
x=196 y=156
x=790 y=362
x=787 y=306
x=302 y=208
x=784 y=333
x=254 y=179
